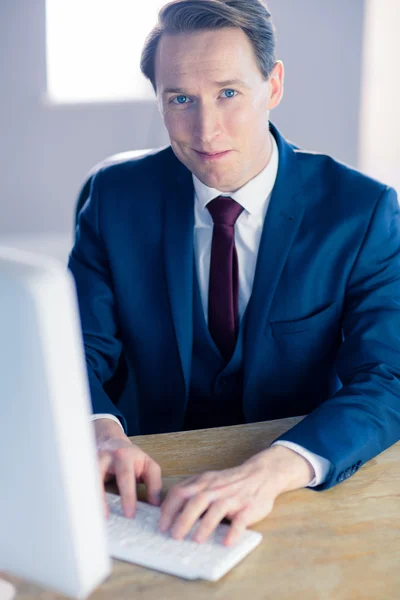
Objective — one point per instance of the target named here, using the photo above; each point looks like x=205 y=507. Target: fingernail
x=177 y=535
x=198 y=539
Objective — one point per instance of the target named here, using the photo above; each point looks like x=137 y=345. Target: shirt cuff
x=320 y=465
x=106 y=416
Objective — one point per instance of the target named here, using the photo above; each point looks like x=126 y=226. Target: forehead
x=224 y=53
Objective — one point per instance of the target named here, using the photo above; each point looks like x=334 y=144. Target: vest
x=216 y=387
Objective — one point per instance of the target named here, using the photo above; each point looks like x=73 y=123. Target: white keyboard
x=138 y=540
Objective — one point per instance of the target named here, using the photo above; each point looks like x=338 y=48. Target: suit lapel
x=178 y=257
x=281 y=224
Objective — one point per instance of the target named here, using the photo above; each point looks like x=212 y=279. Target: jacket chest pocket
x=322 y=319
x=308 y=346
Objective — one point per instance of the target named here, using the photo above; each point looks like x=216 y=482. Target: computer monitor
x=53 y=529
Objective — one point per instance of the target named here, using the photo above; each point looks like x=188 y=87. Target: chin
x=220 y=181
x=210 y=181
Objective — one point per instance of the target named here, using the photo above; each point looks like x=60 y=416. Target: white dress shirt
x=254 y=197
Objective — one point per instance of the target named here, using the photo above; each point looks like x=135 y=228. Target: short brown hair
x=186 y=16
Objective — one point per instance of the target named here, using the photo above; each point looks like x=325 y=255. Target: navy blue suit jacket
x=323 y=329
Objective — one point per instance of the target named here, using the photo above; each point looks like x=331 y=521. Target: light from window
x=94 y=47
x=379 y=118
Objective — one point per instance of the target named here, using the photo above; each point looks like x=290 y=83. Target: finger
x=171 y=507
x=190 y=513
x=189 y=487
x=104 y=464
x=105 y=461
x=213 y=518
x=238 y=526
x=126 y=481
x=105 y=504
x=152 y=479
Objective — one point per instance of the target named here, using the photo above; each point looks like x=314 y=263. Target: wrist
x=106 y=429
x=287 y=470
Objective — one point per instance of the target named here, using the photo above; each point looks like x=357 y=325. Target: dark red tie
x=223 y=291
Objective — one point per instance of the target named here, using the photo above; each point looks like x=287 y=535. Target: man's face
x=215 y=105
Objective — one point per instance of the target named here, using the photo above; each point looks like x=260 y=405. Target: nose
x=207 y=126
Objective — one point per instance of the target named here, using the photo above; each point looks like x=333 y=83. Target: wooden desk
x=341 y=544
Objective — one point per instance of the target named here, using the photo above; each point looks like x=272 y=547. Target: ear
x=275 y=85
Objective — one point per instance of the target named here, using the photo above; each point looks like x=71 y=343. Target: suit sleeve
x=89 y=265
x=363 y=418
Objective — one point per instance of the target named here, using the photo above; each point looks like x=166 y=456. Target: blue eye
x=180 y=99
x=229 y=93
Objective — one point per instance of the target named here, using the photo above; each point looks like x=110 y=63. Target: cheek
x=178 y=125
x=248 y=125
x=239 y=125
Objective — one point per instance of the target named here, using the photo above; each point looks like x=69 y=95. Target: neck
x=267 y=153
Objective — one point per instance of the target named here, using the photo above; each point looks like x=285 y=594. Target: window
x=94 y=47
x=380 y=123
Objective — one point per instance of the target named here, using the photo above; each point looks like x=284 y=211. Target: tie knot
x=224 y=210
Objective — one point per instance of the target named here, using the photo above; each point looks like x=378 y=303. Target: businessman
x=241 y=278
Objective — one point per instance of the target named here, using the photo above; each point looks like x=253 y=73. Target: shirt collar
x=253 y=195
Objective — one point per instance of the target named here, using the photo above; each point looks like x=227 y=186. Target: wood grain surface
x=340 y=544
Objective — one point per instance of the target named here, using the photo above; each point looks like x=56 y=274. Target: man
x=242 y=278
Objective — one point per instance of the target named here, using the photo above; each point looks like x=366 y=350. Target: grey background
x=45 y=150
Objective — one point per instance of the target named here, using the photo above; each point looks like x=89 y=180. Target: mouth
x=212 y=155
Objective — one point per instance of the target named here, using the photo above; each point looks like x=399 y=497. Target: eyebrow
x=231 y=82
x=215 y=83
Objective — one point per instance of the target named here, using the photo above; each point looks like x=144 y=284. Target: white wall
x=46 y=150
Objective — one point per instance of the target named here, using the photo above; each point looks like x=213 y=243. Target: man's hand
x=121 y=459
x=244 y=494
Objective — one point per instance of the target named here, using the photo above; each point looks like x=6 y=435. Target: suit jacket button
x=340 y=477
x=348 y=472
x=358 y=464
x=219 y=385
